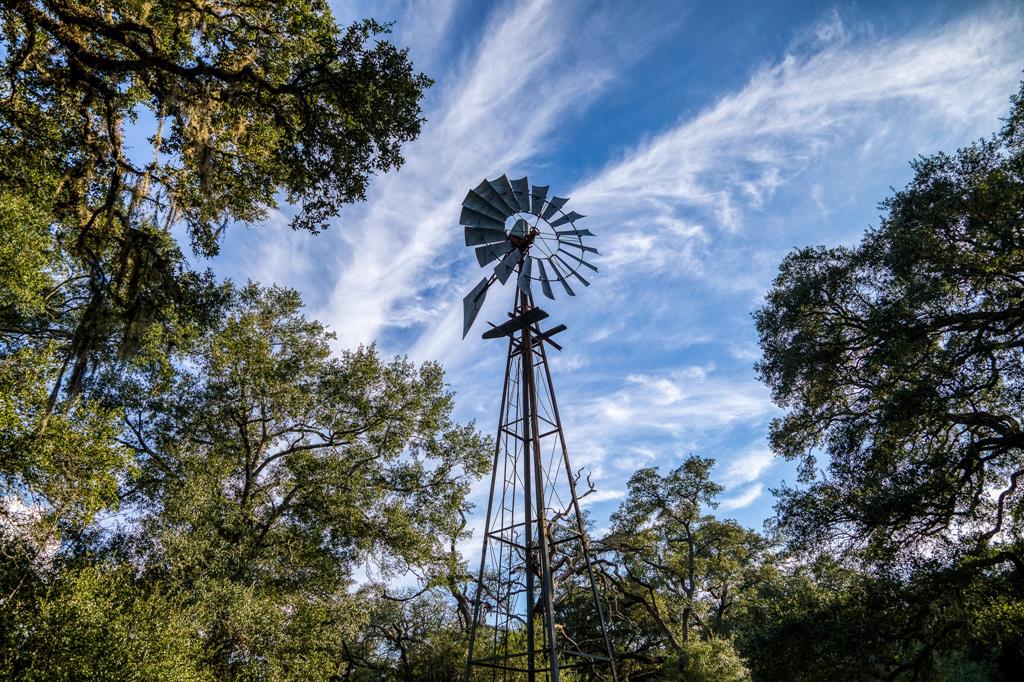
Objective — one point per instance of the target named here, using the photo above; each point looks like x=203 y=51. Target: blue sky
x=702 y=140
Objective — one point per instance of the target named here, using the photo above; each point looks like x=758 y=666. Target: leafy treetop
x=245 y=104
x=901 y=359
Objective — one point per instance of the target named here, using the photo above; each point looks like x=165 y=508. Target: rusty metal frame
x=517 y=500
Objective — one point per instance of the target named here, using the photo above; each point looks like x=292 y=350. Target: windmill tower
x=536 y=608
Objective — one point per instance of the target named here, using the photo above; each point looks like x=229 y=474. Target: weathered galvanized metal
x=533 y=522
x=514 y=223
x=472 y=303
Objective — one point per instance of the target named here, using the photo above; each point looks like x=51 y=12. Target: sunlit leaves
x=274 y=467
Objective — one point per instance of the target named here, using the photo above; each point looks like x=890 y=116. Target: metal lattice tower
x=536 y=608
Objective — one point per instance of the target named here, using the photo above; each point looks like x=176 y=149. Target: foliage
x=242 y=104
x=269 y=470
x=254 y=97
x=62 y=475
x=94 y=623
x=256 y=479
x=25 y=244
x=256 y=473
x=414 y=638
x=677 y=572
x=824 y=619
x=818 y=621
x=901 y=360
x=71 y=468
x=711 y=660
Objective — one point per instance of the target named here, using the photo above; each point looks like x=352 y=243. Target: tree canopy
x=900 y=362
x=901 y=359
x=122 y=122
x=265 y=474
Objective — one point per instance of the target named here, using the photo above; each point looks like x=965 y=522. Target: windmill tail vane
x=537 y=610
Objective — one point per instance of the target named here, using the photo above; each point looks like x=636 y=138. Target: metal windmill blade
x=537 y=196
x=518 y=228
x=524 y=275
x=545 y=283
x=521 y=187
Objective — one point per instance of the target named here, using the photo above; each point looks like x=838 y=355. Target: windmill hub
x=529 y=234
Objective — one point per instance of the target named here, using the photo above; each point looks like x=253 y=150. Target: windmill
x=536 y=607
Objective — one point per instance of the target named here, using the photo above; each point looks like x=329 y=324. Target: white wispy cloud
x=657 y=418
x=695 y=399
x=743 y=499
x=837 y=91
x=601 y=496
x=747 y=467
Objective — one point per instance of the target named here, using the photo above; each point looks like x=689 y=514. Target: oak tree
x=676 y=571
x=125 y=123
x=271 y=471
x=899 y=361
